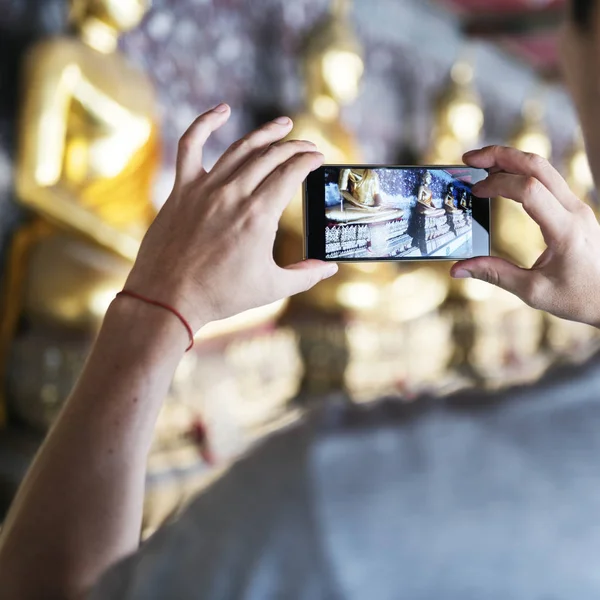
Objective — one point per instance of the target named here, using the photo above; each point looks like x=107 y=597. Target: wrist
x=146 y=329
x=175 y=294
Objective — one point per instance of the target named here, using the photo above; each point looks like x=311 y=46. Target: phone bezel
x=316 y=221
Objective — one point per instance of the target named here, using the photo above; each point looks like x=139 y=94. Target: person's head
x=582 y=12
x=580 y=58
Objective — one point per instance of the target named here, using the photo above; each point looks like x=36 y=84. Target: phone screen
x=361 y=213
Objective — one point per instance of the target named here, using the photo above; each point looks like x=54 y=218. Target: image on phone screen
x=395 y=213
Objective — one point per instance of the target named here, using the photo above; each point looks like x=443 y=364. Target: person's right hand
x=209 y=253
x=565 y=280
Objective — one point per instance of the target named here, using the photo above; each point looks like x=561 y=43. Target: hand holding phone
x=372 y=213
x=565 y=280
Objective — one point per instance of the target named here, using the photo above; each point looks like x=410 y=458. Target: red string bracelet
x=183 y=320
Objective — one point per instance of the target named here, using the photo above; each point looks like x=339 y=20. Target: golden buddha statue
x=578 y=172
x=333 y=68
x=449 y=205
x=458 y=118
x=88 y=151
x=515 y=234
x=425 y=204
x=361 y=187
x=361 y=203
x=375 y=298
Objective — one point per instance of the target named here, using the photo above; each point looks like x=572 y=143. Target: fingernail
x=469 y=153
x=332 y=269
x=221 y=108
x=282 y=120
x=462 y=274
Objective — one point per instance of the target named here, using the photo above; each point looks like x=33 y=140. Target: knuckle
x=254 y=213
x=586 y=211
x=537 y=162
x=532 y=187
x=185 y=143
x=490 y=276
x=228 y=192
x=242 y=145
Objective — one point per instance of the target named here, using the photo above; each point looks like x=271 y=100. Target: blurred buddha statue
x=578 y=172
x=516 y=235
x=333 y=68
x=368 y=297
x=458 y=118
x=88 y=151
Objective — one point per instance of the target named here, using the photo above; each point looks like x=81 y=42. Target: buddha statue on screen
x=449 y=202
x=466 y=202
x=88 y=151
x=425 y=204
x=361 y=201
x=361 y=187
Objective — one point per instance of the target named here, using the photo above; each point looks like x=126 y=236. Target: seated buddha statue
x=449 y=205
x=425 y=205
x=360 y=191
x=361 y=187
x=466 y=201
x=88 y=148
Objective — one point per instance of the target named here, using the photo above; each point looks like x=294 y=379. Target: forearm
x=80 y=507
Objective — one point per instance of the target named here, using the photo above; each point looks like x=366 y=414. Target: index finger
x=516 y=162
x=283 y=183
x=191 y=144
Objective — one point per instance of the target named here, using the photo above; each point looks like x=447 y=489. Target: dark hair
x=582 y=12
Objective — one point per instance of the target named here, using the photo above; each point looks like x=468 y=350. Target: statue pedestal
x=459 y=223
x=431 y=232
x=383 y=240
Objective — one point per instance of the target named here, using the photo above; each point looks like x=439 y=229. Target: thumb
x=306 y=274
x=498 y=272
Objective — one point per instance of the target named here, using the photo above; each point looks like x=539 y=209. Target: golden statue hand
x=209 y=252
x=565 y=280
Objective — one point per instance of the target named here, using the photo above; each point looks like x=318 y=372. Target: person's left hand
x=565 y=280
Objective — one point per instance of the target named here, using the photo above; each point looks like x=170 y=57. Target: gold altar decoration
x=458 y=118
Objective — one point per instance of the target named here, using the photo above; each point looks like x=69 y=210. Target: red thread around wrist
x=172 y=310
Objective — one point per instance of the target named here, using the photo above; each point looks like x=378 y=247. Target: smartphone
x=382 y=213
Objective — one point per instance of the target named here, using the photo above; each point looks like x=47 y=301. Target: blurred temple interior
x=88 y=134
